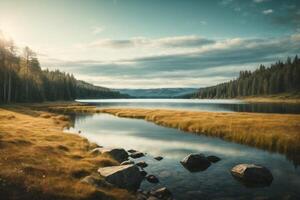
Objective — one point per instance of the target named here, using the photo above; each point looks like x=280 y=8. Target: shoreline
x=39 y=159
x=272 y=132
x=271 y=99
x=33 y=135
x=266 y=131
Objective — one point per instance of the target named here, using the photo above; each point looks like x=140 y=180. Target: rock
x=252 y=174
x=195 y=162
x=162 y=193
x=118 y=154
x=127 y=162
x=158 y=158
x=95 y=180
x=143 y=173
x=123 y=176
x=132 y=151
x=213 y=159
x=142 y=164
x=137 y=155
x=152 y=179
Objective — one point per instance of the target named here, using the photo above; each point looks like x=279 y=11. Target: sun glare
x=9 y=29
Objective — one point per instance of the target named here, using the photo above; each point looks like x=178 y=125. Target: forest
x=281 y=77
x=23 y=80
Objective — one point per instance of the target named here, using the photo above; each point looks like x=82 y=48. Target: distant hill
x=158 y=92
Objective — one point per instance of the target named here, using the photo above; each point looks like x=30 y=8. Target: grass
x=39 y=161
x=286 y=98
x=273 y=132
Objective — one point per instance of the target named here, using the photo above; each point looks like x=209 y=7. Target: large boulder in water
x=213 y=159
x=195 y=162
x=123 y=176
x=118 y=154
x=252 y=174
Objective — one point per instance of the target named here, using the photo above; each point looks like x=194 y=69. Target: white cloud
x=188 y=41
x=203 y=65
x=97 y=29
x=260 y=1
x=267 y=12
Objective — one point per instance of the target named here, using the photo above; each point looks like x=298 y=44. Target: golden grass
x=274 y=132
x=39 y=161
x=279 y=98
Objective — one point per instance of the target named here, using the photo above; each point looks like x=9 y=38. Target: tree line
x=281 y=77
x=23 y=80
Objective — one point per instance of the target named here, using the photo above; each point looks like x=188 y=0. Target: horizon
x=151 y=45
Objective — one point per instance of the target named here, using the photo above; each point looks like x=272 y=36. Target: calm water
x=197 y=104
x=214 y=183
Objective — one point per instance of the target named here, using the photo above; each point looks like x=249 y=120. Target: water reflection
x=198 y=104
x=173 y=145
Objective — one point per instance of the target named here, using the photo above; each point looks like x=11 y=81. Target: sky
x=157 y=43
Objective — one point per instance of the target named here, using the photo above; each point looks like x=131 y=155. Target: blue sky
x=157 y=43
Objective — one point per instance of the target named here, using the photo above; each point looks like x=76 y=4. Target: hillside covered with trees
x=281 y=77
x=23 y=80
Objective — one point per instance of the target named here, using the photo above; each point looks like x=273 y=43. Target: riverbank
x=40 y=161
x=273 y=132
x=281 y=98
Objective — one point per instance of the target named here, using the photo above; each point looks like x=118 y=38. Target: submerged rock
x=195 y=162
x=123 y=176
x=143 y=173
x=213 y=159
x=127 y=162
x=253 y=175
x=152 y=179
x=118 y=154
x=137 y=155
x=132 y=151
x=158 y=158
x=142 y=164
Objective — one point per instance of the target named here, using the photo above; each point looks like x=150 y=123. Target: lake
x=220 y=105
x=214 y=183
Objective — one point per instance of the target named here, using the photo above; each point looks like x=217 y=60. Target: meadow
x=40 y=161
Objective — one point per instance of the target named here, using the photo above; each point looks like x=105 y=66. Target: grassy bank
x=285 y=98
x=39 y=161
x=274 y=132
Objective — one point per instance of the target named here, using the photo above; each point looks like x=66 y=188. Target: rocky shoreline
x=129 y=174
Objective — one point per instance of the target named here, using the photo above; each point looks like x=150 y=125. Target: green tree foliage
x=23 y=80
x=278 y=78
